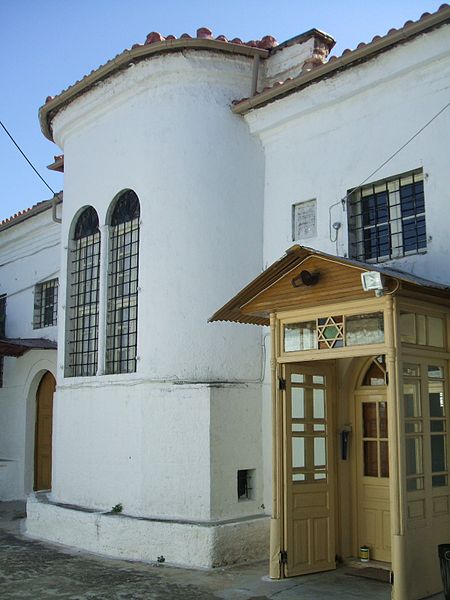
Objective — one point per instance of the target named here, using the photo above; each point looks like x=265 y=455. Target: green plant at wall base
x=118 y=508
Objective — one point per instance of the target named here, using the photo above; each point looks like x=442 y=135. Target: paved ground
x=38 y=571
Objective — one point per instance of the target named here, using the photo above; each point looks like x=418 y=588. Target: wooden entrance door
x=309 y=533
x=373 y=473
x=43 y=434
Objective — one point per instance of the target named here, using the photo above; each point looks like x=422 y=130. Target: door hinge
x=281 y=383
x=283 y=557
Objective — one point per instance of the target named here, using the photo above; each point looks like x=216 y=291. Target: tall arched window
x=121 y=330
x=84 y=296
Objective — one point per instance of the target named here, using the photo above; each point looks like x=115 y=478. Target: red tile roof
x=363 y=51
x=203 y=33
x=29 y=212
x=57 y=164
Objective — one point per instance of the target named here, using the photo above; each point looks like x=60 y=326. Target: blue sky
x=46 y=45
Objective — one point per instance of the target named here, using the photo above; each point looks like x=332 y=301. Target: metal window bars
x=122 y=303
x=84 y=296
x=387 y=219
x=45 y=304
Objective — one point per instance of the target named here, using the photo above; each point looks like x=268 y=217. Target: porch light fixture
x=306 y=278
x=372 y=281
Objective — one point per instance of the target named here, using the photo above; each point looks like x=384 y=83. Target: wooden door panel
x=43 y=435
x=372 y=473
x=309 y=484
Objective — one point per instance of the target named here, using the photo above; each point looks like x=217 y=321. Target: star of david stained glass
x=330 y=332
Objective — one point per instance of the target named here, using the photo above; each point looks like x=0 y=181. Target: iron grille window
x=387 y=219
x=121 y=332
x=84 y=296
x=45 y=304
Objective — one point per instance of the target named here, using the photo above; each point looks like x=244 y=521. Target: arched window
x=84 y=296
x=121 y=330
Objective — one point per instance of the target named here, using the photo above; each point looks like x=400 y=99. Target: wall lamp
x=373 y=281
x=306 y=278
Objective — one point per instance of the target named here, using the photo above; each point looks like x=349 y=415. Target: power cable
x=343 y=200
x=395 y=153
x=26 y=158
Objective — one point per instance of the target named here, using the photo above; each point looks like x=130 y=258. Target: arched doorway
x=43 y=433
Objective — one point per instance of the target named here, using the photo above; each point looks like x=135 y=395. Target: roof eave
x=32 y=212
x=359 y=55
x=232 y=311
x=50 y=108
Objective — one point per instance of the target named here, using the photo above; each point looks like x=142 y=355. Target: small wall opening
x=245 y=484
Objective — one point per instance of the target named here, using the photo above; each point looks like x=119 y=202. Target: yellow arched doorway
x=43 y=433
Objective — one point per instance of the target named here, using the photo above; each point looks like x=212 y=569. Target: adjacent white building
x=29 y=271
x=191 y=165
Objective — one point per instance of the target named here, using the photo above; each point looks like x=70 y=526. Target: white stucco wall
x=167 y=441
x=164 y=129
x=29 y=254
x=329 y=137
x=17 y=424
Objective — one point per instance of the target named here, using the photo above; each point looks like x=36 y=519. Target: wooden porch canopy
x=17 y=347
x=285 y=284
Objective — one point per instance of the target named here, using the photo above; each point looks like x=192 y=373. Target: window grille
x=84 y=296
x=45 y=304
x=121 y=332
x=387 y=219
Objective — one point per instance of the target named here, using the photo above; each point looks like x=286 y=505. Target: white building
x=29 y=251
x=190 y=165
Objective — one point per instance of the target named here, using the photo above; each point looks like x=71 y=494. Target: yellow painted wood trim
x=332 y=354
x=276 y=525
x=349 y=308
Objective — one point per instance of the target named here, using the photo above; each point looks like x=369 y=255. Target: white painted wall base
x=189 y=544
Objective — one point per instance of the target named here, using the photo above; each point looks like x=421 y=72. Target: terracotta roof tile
x=29 y=212
x=57 y=164
x=348 y=52
x=268 y=42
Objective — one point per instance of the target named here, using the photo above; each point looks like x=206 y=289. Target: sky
x=47 y=45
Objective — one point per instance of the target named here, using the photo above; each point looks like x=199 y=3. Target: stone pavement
x=40 y=571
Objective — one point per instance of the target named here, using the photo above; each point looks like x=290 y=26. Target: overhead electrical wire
x=343 y=200
x=396 y=152
x=26 y=158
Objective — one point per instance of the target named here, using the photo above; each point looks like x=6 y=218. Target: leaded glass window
x=121 y=332
x=84 y=296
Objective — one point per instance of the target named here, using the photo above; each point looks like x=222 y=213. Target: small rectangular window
x=245 y=484
x=387 y=218
x=304 y=220
x=422 y=330
x=45 y=304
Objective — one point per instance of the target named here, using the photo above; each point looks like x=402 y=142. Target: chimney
x=298 y=55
